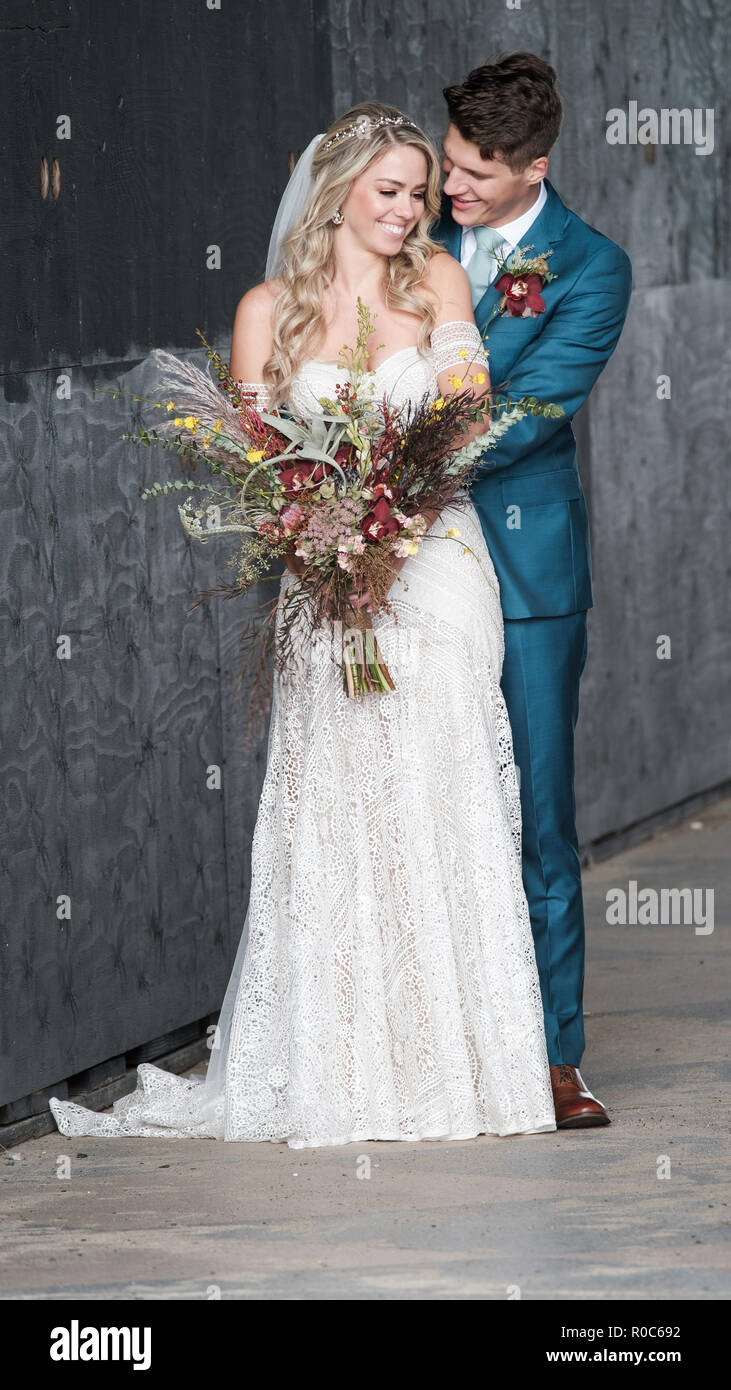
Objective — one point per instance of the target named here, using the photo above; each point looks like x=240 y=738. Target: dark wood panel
x=178 y=140
x=181 y=121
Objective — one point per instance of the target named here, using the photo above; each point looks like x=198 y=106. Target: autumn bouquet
x=345 y=490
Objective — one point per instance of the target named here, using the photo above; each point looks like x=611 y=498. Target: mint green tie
x=482 y=265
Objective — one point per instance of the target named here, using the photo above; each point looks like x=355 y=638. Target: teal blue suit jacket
x=542 y=553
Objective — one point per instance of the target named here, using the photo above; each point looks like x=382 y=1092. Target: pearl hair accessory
x=366 y=126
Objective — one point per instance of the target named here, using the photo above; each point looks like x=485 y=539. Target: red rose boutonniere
x=521 y=281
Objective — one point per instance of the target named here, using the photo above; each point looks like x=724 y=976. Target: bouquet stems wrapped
x=364 y=669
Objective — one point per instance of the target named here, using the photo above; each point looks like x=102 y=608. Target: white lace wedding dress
x=385 y=986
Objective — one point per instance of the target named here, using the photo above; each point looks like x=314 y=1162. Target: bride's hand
x=364 y=599
x=361 y=600
x=294 y=563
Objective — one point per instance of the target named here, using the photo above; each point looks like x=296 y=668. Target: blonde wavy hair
x=308 y=251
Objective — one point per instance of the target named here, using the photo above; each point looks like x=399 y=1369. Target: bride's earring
x=337 y=217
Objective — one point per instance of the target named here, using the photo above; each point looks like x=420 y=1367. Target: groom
x=503 y=121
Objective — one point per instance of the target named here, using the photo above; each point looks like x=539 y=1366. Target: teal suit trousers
x=544 y=659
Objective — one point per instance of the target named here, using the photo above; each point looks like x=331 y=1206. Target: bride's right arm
x=251 y=342
x=251 y=347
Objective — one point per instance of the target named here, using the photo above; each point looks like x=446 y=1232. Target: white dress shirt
x=511 y=232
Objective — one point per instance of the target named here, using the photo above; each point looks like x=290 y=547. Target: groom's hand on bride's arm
x=564 y=361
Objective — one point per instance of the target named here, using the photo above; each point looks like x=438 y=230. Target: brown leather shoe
x=575 y=1106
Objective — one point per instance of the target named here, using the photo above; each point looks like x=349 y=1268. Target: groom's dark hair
x=511 y=108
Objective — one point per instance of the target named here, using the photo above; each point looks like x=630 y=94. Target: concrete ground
x=636 y=1210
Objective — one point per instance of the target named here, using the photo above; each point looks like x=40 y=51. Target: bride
x=385 y=986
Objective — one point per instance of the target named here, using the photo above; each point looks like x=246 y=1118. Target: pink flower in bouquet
x=405 y=545
x=328 y=527
x=291 y=516
x=415 y=524
x=347 y=546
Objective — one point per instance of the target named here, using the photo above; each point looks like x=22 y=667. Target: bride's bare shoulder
x=256 y=305
x=444 y=272
x=251 y=343
x=447 y=282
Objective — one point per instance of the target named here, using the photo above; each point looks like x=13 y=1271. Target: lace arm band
x=261 y=393
x=458 y=344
